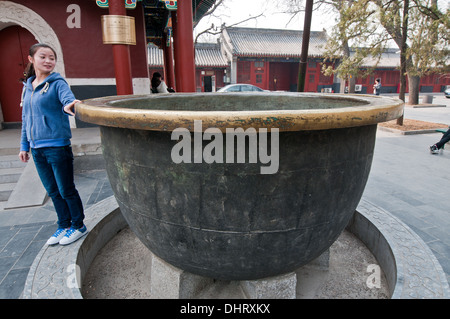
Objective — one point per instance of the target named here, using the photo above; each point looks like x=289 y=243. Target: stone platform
x=410 y=268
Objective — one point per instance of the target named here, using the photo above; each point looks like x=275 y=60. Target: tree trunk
x=403 y=48
x=351 y=84
x=305 y=46
x=414 y=85
x=342 y=86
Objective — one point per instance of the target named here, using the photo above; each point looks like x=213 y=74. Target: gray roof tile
x=273 y=42
x=206 y=55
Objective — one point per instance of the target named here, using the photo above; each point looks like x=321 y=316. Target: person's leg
x=61 y=160
x=445 y=138
x=45 y=171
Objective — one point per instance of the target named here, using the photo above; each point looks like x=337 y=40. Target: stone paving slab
x=29 y=183
x=57 y=271
x=412 y=185
x=418 y=274
x=24 y=231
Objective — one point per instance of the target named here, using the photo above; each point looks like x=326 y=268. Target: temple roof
x=390 y=58
x=206 y=55
x=209 y=54
x=272 y=42
x=155 y=56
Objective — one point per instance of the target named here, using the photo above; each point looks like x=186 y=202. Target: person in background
x=47 y=102
x=158 y=85
x=377 y=87
x=434 y=149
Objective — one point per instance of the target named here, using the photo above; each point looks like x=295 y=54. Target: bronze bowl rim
x=373 y=110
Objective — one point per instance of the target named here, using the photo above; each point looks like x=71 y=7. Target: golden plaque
x=118 y=30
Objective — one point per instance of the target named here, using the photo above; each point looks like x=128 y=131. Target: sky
x=233 y=11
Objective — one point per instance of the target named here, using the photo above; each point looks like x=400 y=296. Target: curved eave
x=211 y=66
x=260 y=55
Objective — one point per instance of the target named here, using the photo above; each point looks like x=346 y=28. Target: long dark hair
x=29 y=70
x=156 y=80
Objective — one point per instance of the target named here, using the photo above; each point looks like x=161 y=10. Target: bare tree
x=216 y=30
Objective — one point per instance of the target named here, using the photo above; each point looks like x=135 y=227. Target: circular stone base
x=410 y=268
x=121 y=271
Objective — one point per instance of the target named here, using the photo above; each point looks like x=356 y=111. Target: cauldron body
x=227 y=220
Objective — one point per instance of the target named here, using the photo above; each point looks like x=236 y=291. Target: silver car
x=240 y=88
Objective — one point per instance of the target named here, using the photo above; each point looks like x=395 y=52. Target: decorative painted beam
x=170 y=5
x=129 y=4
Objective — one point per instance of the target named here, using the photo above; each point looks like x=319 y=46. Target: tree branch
x=217 y=31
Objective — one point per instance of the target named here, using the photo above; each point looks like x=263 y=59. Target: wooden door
x=15 y=43
x=312 y=76
x=259 y=76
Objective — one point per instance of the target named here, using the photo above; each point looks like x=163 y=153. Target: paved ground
x=413 y=184
x=23 y=232
x=405 y=179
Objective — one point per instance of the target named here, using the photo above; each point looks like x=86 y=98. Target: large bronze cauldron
x=229 y=220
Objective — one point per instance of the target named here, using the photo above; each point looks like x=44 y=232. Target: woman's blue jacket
x=44 y=122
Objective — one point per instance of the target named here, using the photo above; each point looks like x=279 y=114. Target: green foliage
x=367 y=26
x=428 y=39
x=357 y=28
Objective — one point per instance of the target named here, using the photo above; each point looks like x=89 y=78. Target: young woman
x=47 y=102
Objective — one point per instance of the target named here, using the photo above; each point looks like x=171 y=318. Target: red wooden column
x=121 y=54
x=184 y=47
x=168 y=65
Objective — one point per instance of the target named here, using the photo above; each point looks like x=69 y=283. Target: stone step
x=11 y=169
x=11 y=161
x=9 y=151
x=6 y=190
x=30 y=184
x=10 y=175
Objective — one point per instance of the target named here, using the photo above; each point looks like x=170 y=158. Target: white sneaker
x=73 y=235
x=57 y=236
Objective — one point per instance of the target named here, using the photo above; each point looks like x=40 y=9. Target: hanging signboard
x=118 y=30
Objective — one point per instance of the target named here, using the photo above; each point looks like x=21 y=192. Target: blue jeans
x=445 y=138
x=55 y=168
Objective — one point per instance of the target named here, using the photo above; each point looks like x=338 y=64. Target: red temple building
x=387 y=71
x=269 y=58
x=211 y=65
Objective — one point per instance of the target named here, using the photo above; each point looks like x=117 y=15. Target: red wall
x=218 y=73
x=85 y=55
x=285 y=74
